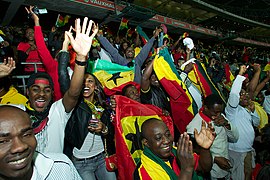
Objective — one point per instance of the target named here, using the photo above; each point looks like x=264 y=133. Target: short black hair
x=124 y=90
x=212 y=99
x=145 y=124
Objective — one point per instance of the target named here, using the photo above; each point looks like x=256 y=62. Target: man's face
x=244 y=98
x=213 y=112
x=133 y=93
x=17 y=144
x=159 y=140
x=130 y=53
x=40 y=94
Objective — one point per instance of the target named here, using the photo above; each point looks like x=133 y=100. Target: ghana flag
x=183 y=106
x=199 y=77
x=227 y=83
x=112 y=76
x=129 y=117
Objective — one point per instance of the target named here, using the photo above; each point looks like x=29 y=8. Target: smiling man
x=160 y=160
x=49 y=119
x=18 y=159
x=211 y=112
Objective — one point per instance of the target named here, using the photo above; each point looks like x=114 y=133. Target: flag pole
x=119 y=26
x=57 y=20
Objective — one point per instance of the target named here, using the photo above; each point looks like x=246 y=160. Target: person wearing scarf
x=161 y=161
x=211 y=112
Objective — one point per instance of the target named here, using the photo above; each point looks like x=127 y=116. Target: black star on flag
x=114 y=77
x=135 y=138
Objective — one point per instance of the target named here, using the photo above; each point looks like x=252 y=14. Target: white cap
x=188 y=42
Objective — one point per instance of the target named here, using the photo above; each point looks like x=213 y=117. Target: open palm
x=206 y=136
x=83 y=41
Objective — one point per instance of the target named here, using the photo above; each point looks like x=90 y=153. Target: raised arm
x=254 y=81
x=234 y=97
x=141 y=57
x=63 y=60
x=262 y=84
x=81 y=45
x=116 y=57
x=48 y=61
x=145 y=82
x=43 y=51
x=176 y=42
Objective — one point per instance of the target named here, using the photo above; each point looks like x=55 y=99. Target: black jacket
x=76 y=129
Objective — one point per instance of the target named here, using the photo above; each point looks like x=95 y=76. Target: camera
x=35 y=10
x=38 y=11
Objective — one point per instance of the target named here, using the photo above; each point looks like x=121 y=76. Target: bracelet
x=80 y=63
x=105 y=131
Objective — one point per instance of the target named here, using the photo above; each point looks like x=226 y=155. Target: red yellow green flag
x=61 y=21
x=123 y=24
x=112 y=76
x=182 y=104
x=200 y=78
x=130 y=32
x=128 y=120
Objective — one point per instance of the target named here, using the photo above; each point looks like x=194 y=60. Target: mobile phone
x=93 y=123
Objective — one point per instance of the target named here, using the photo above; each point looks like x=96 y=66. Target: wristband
x=79 y=63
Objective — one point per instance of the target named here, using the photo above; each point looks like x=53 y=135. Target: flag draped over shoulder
x=200 y=78
x=112 y=76
x=130 y=115
x=123 y=24
x=61 y=21
x=182 y=104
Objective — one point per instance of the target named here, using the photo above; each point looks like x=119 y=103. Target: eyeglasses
x=244 y=94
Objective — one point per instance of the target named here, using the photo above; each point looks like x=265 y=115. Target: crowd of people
x=209 y=111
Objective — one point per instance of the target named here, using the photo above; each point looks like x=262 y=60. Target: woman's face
x=125 y=46
x=89 y=85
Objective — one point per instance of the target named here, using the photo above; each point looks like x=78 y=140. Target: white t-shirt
x=266 y=102
x=51 y=138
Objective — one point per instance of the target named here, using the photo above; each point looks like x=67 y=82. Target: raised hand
x=7 y=67
x=185 y=153
x=206 y=136
x=32 y=15
x=66 y=40
x=83 y=41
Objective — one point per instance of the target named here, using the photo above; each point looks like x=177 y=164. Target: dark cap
x=39 y=75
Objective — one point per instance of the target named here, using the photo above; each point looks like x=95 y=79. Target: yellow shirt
x=13 y=97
